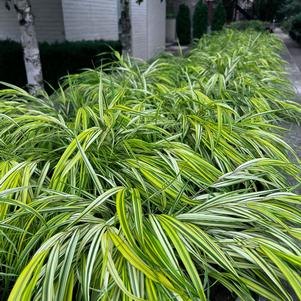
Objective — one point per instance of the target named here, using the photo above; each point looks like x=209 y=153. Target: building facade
x=148 y=27
x=76 y=20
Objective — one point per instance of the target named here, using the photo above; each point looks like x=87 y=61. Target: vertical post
x=30 y=46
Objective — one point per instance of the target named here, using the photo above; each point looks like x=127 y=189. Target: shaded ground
x=292 y=46
x=177 y=49
x=292 y=55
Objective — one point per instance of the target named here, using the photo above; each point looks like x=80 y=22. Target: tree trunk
x=30 y=46
x=126 y=28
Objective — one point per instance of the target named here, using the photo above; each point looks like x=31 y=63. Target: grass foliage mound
x=153 y=181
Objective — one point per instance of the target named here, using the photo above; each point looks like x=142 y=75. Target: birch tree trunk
x=30 y=46
x=126 y=28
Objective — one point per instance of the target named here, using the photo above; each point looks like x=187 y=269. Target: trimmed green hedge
x=58 y=59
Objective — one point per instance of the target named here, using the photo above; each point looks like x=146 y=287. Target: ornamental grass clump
x=153 y=181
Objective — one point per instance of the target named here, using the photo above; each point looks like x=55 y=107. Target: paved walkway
x=292 y=55
x=176 y=49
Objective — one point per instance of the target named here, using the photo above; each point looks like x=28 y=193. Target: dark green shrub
x=200 y=20
x=252 y=24
x=266 y=10
x=295 y=36
x=58 y=59
x=295 y=31
x=286 y=24
x=219 y=17
x=12 y=68
x=229 y=7
x=183 y=25
x=290 y=8
x=296 y=23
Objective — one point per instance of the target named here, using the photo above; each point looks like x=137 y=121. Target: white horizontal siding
x=90 y=19
x=8 y=24
x=48 y=20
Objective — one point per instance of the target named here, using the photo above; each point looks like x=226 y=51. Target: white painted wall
x=139 y=29
x=73 y=20
x=8 y=24
x=156 y=26
x=90 y=19
x=148 y=28
x=82 y=19
x=48 y=18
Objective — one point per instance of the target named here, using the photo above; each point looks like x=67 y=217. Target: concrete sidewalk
x=292 y=55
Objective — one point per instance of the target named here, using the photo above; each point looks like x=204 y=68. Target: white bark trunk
x=126 y=28
x=30 y=46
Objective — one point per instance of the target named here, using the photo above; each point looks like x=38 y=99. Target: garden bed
x=154 y=181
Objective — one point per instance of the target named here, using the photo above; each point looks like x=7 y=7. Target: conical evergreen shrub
x=200 y=20
x=183 y=25
x=219 y=17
